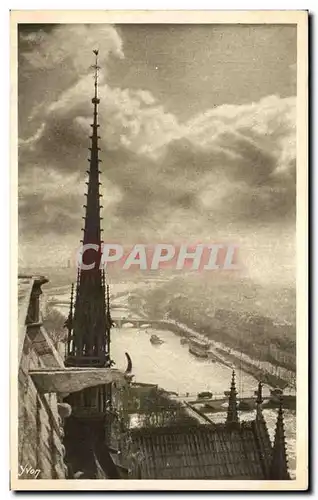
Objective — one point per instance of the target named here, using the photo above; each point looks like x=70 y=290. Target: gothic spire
x=92 y=229
x=262 y=432
x=103 y=282
x=109 y=318
x=259 y=399
x=69 y=321
x=90 y=333
x=78 y=281
x=279 y=464
x=259 y=410
x=232 y=415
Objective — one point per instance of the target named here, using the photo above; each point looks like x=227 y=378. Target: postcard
x=159 y=250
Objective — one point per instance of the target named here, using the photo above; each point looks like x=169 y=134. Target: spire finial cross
x=96 y=68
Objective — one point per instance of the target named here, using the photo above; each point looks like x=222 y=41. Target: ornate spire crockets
x=92 y=229
x=232 y=414
x=69 y=321
x=109 y=318
x=105 y=286
x=90 y=330
x=279 y=463
x=259 y=398
x=78 y=281
x=262 y=432
x=104 y=282
x=259 y=409
x=259 y=401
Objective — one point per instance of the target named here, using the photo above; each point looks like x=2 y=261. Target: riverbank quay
x=226 y=355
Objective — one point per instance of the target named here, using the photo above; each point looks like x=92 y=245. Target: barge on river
x=154 y=339
x=199 y=348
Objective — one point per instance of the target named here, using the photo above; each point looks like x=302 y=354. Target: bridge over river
x=245 y=403
x=219 y=403
x=119 y=320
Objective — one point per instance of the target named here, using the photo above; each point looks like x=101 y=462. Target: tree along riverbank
x=230 y=357
x=259 y=321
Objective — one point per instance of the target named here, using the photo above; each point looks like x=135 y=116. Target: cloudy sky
x=198 y=138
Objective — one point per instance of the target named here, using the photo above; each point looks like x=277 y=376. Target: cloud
x=227 y=172
x=52 y=202
x=129 y=119
x=228 y=165
x=70 y=46
x=249 y=151
x=55 y=58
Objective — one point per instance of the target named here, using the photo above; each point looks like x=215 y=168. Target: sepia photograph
x=159 y=185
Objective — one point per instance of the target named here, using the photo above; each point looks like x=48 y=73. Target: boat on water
x=199 y=348
x=154 y=339
x=276 y=394
x=204 y=395
x=198 y=352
